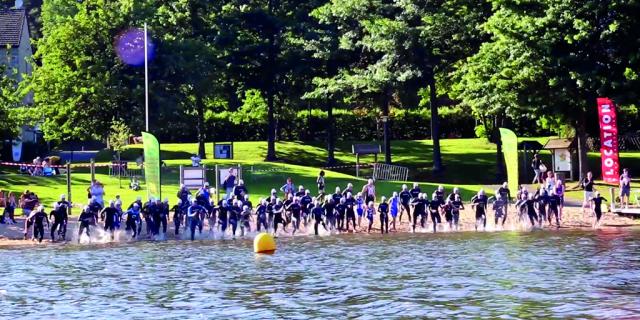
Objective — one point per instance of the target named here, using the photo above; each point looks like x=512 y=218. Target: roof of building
x=560 y=144
x=11 y=25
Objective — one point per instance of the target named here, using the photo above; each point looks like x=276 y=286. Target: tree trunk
x=271 y=130
x=386 y=131
x=435 y=124
x=200 y=125
x=271 y=67
x=581 y=133
x=331 y=138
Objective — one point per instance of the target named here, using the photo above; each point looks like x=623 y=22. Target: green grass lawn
x=469 y=163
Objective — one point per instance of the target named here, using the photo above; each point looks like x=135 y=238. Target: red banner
x=608 y=140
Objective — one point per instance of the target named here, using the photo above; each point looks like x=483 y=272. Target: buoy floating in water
x=264 y=243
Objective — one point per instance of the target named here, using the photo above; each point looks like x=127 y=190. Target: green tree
x=554 y=58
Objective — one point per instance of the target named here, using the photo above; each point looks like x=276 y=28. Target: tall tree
x=554 y=57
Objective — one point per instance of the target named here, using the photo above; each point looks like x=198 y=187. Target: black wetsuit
x=434 y=210
x=383 y=209
x=223 y=218
x=261 y=213
x=351 y=212
x=455 y=211
x=317 y=212
x=133 y=221
x=164 y=215
x=38 y=225
x=329 y=209
x=542 y=200
x=61 y=217
x=234 y=217
x=341 y=210
x=296 y=211
x=531 y=212
x=109 y=215
x=405 y=200
x=597 y=203
x=86 y=219
x=277 y=217
x=177 y=218
x=480 y=202
x=419 y=211
x=554 y=202
x=305 y=203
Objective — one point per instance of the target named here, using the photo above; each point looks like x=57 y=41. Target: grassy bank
x=470 y=164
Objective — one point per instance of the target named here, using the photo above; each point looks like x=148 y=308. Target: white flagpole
x=146 y=81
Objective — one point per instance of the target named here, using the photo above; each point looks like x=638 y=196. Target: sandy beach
x=13 y=234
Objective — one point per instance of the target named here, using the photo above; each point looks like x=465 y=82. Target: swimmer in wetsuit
x=60 y=219
x=479 y=202
x=134 y=219
x=499 y=208
x=261 y=215
x=296 y=214
x=383 y=209
x=317 y=212
x=194 y=213
x=278 y=212
x=350 y=202
x=419 y=210
x=370 y=212
x=405 y=200
x=109 y=215
x=434 y=209
x=39 y=217
x=456 y=205
x=596 y=204
x=86 y=219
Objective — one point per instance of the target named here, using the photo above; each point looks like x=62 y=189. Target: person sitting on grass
x=134 y=184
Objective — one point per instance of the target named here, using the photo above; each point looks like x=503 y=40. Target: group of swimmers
x=294 y=208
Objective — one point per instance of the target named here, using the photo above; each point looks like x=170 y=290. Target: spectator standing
x=195 y=160
x=229 y=183
x=536 y=165
x=625 y=188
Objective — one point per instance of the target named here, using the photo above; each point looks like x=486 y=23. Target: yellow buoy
x=264 y=243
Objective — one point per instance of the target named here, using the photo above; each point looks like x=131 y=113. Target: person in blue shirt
x=288 y=188
x=194 y=214
x=394 y=205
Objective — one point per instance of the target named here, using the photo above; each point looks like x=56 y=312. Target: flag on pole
x=152 y=165
x=510 y=151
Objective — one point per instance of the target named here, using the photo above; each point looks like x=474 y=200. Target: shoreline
x=12 y=235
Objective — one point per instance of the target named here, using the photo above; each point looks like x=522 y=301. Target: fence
x=122 y=169
x=383 y=171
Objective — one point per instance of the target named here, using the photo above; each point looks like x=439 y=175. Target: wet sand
x=13 y=234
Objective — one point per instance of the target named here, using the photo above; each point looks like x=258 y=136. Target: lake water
x=576 y=274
